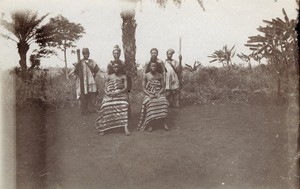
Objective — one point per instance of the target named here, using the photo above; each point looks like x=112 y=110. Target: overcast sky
x=224 y=22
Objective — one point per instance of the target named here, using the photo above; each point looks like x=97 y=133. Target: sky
x=224 y=22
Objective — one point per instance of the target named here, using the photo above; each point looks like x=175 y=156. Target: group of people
x=161 y=86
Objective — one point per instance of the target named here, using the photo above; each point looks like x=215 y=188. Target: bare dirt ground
x=226 y=146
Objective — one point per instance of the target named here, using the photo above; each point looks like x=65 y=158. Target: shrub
x=51 y=89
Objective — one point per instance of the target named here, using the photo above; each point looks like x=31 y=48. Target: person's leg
x=83 y=104
x=91 y=104
x=169 y=97
x=175 y=96
x=165 y=124
x=127 y=132
x=150 y=128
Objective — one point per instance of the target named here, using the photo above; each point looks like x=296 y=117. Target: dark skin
x=153 y=75
x=154 y=55
x=86 y=55
x=116 y=55
x=169 y=57
x=116 y=75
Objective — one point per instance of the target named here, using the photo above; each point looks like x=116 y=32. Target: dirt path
x=225 y=145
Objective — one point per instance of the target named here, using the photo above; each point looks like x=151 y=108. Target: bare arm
x=145 y=68
x=162 y=64
x=161 y=79
x=144 y=83
x=125 y=86
x=105 y=86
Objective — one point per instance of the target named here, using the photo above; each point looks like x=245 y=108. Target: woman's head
x=116 y=52
x=153 y=64
x=116 y=67
x=154 y=53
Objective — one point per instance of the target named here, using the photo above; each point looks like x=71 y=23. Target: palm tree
x=128 y=31
x=23 y=26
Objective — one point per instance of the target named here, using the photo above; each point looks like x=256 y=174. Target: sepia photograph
x=149 y=94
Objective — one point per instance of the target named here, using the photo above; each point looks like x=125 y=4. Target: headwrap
x=116 y=48
x=85 y=50
x=171 y=50
x=153 y=49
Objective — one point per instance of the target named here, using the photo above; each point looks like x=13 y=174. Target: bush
x=234 y=84
x=50 y=89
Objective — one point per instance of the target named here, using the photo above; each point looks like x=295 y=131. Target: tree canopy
x=58 y=33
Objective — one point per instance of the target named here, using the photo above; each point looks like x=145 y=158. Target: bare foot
x=150 y=129
x=127 y=132
x=166 y=127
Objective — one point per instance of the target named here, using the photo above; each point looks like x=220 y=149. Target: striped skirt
x=113 y=113
x=152 y=109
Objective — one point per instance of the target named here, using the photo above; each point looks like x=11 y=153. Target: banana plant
x=277 y=42
x=223 y=56
x=195 y=66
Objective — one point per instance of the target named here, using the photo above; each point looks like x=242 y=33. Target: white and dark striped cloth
x=152 y=108
x=114 y=110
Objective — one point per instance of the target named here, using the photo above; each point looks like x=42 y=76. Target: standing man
x=86 y=70
x=173 y=78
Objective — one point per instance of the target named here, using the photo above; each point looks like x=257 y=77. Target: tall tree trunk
x=128 y=38
x=23 y=48
x=66 y=65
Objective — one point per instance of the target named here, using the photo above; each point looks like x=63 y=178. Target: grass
x=202 y=86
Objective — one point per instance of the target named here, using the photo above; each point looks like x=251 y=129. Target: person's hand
x=152 y=96
x=158 y=95
x=180 y=57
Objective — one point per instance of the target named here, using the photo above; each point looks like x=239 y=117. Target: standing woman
x=114 y=110
x=155 y=105
x=160 y=64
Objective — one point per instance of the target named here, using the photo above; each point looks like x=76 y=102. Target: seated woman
x=155 y=104
x=114 y=108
